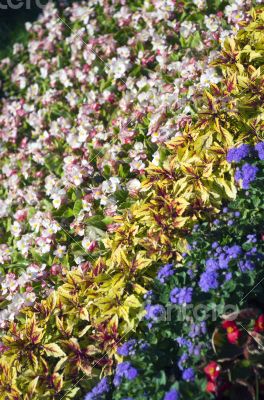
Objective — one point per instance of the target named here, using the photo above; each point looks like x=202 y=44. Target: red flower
x=211 y=387
x=259 y=324
x=212 y=371
x=233 y=333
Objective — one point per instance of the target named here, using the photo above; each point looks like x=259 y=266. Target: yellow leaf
x=132 y=301
x=53 y=350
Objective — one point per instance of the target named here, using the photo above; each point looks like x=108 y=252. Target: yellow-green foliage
x=79 y=327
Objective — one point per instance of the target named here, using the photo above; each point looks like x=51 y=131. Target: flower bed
x=203 y=330
x=111 y=154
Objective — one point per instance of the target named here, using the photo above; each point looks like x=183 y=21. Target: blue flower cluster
x=181 y=295
x=239 y=153
x=190 y=347
x=218 y=263
x=100 y=389
x=260 y=149
x=197 y=329
x=247 y=174
x=188 y=375
x=172 y=395
x=124 y=370
x=208 y=281
x=155 y=312
x=165 y=272
x=128 y=348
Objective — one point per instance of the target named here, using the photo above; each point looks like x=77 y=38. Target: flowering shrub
x=87 y=105
x=208 y=306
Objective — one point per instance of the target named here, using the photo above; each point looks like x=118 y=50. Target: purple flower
x=181 y=341
x=234 y=251
x=165 y=272
x=197 y=329
x=101 y=388
x=223 y=261
x=237 y=154
x=184 y=357
x=252 y=252
x=246 y=266
x=190 y=273
x=181 y=295
x=127 y=348
x=197 y=350
x=172 y=395
x=188 y=375
x=148 y=294
x=154 y=312
x=116 y=381
x=208 y=280
x=247 y=174
x=124 y=370
x=211 y=264
x=260 y=149
x=132 y=373
x=143 y=345
x=228 y=276
x=251 y=238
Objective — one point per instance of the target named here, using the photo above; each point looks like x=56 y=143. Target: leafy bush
x=203 y=331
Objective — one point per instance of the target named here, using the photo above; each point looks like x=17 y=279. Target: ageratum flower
x=211 y=264
x=124 y=370
x=181 y=295
x=260 y=149
x=184 y=357
x=181 y=341
x=172 y=395
x=208 y=281
x=101 y=388
x=197 y=329
x=154 y=312
x=165 y=272
x=234 y=251
x=188 y=375
x=246 y=265
x=247 y=174
x=238 y=154
x=223 y=261
x=127 y=348
x=251 y=238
